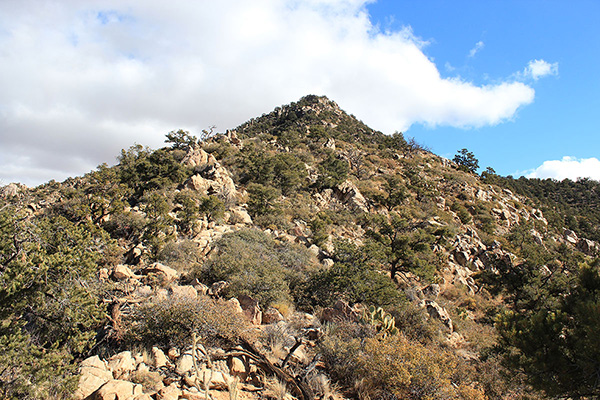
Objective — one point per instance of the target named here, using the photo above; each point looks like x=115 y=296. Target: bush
x=170 y=321
x=126 y=225
x=332 y=172
x=394 y=367
x=183 y=256
x=49 y=311
x=349 y=282
x=255 y=265
x=262 y=199
x=460 y=210
x=212 y=207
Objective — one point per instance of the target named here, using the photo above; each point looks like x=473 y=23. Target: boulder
x=160 y=360
x=167 y=273
x=184 y=363
x=199 y=184
x=314 y=249
x=271 y=316
x=197 y=157
x=94 y=362
x=122 y=272
x=437 y=312
x=117 y=390
x=171 y=392
x=348 y=193
x=218 y=381
x=189 y=395
x=121 y=364
x=10 y=190
x=330 y=143
x=327 y=262
x=186 y=291
x=93 y=374
x=570 y=236
x=239 y=215
x=237 y=367
x=103 y=274
x=235 y=304
x=251 y=309
x=173 y=353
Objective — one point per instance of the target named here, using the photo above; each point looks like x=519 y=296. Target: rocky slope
x=313 y=198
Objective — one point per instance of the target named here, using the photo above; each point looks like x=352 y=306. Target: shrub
x=183 y=256
x=332 y=171
x=262 y=199
x=353 y=283
x=460 y=210
x=170 y=321
x=212 y=207
x=255 y=265
x=49 y=311
x=126 y=225
x=393 y=367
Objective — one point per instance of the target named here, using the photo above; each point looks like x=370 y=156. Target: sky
x=515 y=82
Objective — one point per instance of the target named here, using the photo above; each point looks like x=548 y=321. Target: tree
x=49 y=313
x=332 y=171
x=406 y=247
x=466 y=161
x=555 y=339
x=262 y=199
x=181 y=139
x=394 y=193
x=158 y=230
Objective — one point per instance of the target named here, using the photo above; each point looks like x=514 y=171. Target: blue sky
x=563 y=119
x=516 y=82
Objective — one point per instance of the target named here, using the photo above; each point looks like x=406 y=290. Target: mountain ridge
x=317 y=238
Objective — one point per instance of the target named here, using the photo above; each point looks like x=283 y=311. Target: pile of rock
x=160 y=376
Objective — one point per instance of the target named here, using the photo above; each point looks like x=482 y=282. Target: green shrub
x=460 y=210
x=332 y=171
x=262 y=199
x=49 y=309
x=170 y=321
x=126 y=225
x=255 y=265
x=184 y=255
x=352 y=283
x=212 y=207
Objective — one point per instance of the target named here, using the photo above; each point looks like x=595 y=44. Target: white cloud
x=568 y=168
x=537 y=69
x=81 y=80
x=478 y=46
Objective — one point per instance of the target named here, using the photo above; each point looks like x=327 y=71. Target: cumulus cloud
x=568 y=168
x=478 y=46
x=537 y=69
x=81 y=80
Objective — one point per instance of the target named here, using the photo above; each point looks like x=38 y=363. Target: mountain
x=300 y=255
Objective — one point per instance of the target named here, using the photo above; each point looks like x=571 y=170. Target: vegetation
x=430 y=282
x=172 y=320
x=48 y=301
x=466 y=161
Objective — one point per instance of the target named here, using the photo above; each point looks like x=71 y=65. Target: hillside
x=301 y=255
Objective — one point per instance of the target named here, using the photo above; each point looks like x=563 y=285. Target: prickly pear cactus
x=383 y=322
